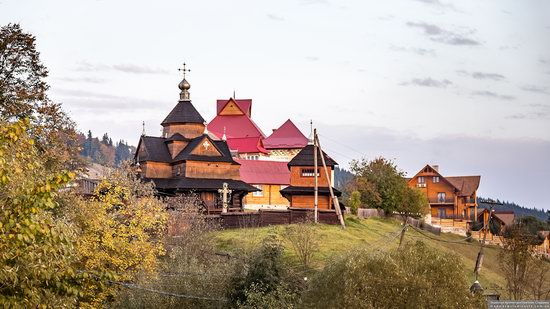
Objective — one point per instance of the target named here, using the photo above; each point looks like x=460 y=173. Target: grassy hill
x=376 y=233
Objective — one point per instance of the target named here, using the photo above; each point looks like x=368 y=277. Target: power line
x=342 y=144
x=137 y=287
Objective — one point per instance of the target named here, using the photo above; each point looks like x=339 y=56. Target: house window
x=178 y=170
x=309 y=172
x=435 y=179
x=441 y=197
x=252 y=157
x=421 y=179
x=258 y=193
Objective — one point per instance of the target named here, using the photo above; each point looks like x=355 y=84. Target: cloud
x=137 y=69
x=437 y=3
x=275 y=17
x=312 y=58
x=489 y=94
x=532 y=115
x=428 y=82
x=99 y=102
x=92 y=80
x=535 y=89
x=493 y=158
x=483 y=75
x=415 y=50
x=438 y=34
x=84 y=66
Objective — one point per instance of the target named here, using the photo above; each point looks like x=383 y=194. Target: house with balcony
x=452 y=199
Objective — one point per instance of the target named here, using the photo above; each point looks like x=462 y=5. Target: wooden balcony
x=442 y=201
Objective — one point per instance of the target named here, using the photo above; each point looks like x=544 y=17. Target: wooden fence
x=265 y=217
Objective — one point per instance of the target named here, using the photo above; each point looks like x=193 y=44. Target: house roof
x=234 y=126
x=264 y=172
x=467 y=185
x=305 y=158
x=286 y=136
x=183 y=112
x=246 y=144
x=204 y=184
x=244 y=104
x=506 y=217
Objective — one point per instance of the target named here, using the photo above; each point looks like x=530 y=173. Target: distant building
x=247 y=142
x=269 y=177
x=186 y=158
x=450 y=197
x=285 y=142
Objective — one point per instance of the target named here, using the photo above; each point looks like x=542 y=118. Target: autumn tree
x=36 y=252
x=119 y=233
x=515 y=260
x=23 y=94
x=380 y=182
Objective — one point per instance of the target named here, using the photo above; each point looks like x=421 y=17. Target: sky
x=462 y=84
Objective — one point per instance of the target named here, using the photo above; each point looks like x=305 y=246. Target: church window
x=309 y=172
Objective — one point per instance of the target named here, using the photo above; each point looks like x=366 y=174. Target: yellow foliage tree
x=36 y=252
x=120 y=233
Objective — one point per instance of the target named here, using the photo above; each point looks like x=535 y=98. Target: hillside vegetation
x=376 y=234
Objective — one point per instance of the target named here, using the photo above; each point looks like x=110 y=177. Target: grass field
x=377 y=234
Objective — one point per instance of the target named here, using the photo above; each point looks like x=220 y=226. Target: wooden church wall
x=156 y=170
x=188 y=130
x=223 y=170
x=307 y=201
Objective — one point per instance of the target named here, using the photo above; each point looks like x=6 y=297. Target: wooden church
x=187 y=159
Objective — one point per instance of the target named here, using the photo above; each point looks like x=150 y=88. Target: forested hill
x=103 y=151
x=518 y=210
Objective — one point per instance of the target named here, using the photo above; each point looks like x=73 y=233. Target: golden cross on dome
x=185 y=70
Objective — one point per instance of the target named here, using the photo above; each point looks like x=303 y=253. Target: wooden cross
x=184 y=70
x=224 y=192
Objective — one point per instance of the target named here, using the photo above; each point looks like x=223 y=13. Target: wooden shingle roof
x=183 y=112
x=305 y=158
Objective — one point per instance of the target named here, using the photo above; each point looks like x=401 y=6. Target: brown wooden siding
x=297 y=180
x=156 y=169
x=175 y=147
x=201 y=150
x=307 y=201
x=271 y=196
x=223 y=170
x=188 y=130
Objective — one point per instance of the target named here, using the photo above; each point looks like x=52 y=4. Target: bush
x=416 y=277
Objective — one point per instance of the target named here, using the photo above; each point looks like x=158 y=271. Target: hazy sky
x=463 y=84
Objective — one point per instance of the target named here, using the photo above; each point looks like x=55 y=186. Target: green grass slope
x=377 y=234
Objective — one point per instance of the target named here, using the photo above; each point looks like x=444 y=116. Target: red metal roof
x=244 y=104
x=235 y=127
x=286 y=136
x=246 y=144
x=264 y=172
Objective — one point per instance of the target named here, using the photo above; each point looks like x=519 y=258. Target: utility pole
x=334 y=198
x=315 y=172
x=479 y=260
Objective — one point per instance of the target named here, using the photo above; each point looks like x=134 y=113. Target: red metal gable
x=264 y=172
x=244 y=104
x=235 y=127
x=246 y=144
x=286 y=136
